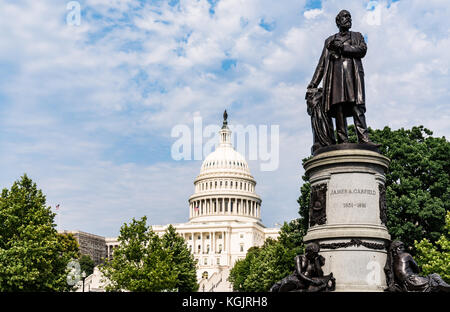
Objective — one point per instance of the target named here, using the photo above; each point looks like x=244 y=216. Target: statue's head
x=312 y=250
x=344 y=20
x=397 y=247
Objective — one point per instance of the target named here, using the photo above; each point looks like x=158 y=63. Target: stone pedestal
x=348 y=215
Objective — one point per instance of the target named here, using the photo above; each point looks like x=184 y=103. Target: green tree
x=291 y=234
x=33 y=256
x=86 y=264
x=263 y=266
x=146 y=262
x=417 y=183
x=241 y=269
x=183 y=263
x=139 y=263
x=435 y=258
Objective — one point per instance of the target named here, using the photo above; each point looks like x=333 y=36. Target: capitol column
x=210 y=242
x=202 y=243
x=224 y=246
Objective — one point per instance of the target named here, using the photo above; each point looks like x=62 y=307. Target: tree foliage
x=33 y=256
x=263 y=266
x=291 y=234
x=417 y=183
x=86 y=264
x=183 y=262
x=146 y=262
x=435 y=258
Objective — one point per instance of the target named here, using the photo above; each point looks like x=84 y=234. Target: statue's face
x=311 y=255
x=400 y=249
x=344 y=19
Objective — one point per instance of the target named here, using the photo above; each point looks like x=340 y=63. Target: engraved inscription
x=354 y=205
x=354 y=191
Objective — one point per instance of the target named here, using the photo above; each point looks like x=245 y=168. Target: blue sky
x=87 y=111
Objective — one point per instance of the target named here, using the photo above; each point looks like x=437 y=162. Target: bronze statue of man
x=341 y=68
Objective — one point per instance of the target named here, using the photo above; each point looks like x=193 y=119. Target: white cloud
x=313 y=13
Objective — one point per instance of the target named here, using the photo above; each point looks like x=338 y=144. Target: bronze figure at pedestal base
x=402 y=273
x=308 y=275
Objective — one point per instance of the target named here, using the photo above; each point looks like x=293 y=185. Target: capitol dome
x=225 y=188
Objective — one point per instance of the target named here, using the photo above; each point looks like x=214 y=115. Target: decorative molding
x=383 y=207
x=355 y=242
x=317 y=205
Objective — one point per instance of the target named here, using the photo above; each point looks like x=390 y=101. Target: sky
x=88 y=101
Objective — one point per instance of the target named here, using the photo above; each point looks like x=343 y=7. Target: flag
x=57 y=207
x=196 y=209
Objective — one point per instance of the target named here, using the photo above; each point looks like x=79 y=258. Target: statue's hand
x=335 y=45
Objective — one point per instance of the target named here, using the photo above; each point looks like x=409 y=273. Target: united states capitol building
x=224 y=218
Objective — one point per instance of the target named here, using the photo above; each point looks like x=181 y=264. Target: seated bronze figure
x=402 y=273
x=308 y=275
